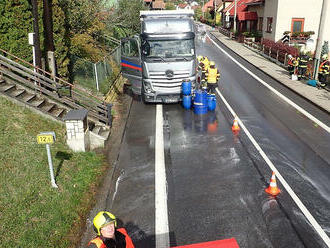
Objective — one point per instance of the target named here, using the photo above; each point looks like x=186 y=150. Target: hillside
x=31 y=211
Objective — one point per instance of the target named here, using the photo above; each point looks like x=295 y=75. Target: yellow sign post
x=48 y=138
x=45 y=138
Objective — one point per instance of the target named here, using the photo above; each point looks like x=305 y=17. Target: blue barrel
x=186 y=102
x=200 y=102
x=211 y=102
x=186 y=88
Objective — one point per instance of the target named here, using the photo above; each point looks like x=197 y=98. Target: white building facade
x=294 y=16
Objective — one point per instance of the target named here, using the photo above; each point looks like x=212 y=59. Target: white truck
x=162 y=56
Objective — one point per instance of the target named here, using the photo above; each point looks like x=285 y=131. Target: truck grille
x=159 y=79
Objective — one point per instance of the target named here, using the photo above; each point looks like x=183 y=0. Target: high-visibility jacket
x=303 y=60
x=206 y=63
x=324 y=68
x=292 y=62
x=100 y=244
x=212 y=75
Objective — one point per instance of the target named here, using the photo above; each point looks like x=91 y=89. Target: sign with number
x=46 y=138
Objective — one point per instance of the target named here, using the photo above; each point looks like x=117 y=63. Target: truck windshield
x=168 y=48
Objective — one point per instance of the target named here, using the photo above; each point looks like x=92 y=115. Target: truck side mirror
x=145 y=48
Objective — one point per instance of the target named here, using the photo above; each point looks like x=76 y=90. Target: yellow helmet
x=199 y=57
x=212 y=63
x=102 y=219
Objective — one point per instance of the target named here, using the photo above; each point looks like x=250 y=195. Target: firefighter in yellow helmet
x=204 y=65
x=324 y=71
x=212 y=76
x=303 y=61
x=108 y=236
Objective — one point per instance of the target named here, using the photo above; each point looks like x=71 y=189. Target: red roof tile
x=209 y=4
x=240 y=4
x=254 y=2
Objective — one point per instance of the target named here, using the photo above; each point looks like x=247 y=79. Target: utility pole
x=320 y=39
x=215 y=12
x=235 y=28
x=36 y=33
x=203 y=9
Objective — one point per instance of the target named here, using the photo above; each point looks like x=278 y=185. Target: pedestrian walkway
x=319 y=97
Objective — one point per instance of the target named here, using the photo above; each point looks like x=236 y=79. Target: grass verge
x=32 y=213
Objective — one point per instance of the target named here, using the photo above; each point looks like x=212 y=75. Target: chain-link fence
x=98 y=77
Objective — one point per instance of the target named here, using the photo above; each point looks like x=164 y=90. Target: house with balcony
x=246 y=20
x=272 y=18
x=299 y=18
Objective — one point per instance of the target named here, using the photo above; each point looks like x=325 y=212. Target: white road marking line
x=161 y=214
x=293 y=195
x=304 y=112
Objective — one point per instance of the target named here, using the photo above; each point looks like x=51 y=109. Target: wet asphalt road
x=216 y=180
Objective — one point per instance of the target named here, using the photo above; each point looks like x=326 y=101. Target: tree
x=325 y=48
x=15 y=24
x=125 y=19
x=170 y=6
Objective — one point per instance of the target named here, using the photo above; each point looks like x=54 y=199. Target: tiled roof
x=182 y=5
x=254 y=2
x=241 y=7
x=158 y=5
x=207 y=5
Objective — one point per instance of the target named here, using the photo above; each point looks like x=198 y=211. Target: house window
x=260 y=23
x=269 y=24
x=297 y=25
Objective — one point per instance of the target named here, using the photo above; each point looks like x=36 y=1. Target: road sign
x=227 y=16
x=46 y=138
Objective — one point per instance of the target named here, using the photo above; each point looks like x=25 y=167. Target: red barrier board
x=226 y=243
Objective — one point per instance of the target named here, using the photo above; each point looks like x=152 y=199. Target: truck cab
x=162 y=56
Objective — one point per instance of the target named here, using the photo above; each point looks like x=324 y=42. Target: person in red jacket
x=108 y=236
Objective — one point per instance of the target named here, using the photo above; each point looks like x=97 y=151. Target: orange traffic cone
x=235 y=127
x=272 y=189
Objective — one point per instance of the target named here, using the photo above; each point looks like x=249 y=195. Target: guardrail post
x=270 y=52
x=277 y=55
x=109 y=107
x=285 y=59
x=263 y=49
x=96 y=78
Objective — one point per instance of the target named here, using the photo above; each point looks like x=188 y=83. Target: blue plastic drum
x=200 y=102
x=186 y=102
x=186 y=88
x=211 y=102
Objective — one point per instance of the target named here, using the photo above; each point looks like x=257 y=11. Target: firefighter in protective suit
x=108 y=236
x=292 y=64
x=212 y=76
x=324 y=71
x=204 y=65
x=303 y=60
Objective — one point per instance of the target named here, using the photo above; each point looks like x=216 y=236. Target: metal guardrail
x=272 y=54
x=55 y=88
x=226 y=32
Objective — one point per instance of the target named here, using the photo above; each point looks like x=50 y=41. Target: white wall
x=310 y=10
x=271 y=9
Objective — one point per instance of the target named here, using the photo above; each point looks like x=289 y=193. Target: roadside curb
x=298 y=93
x=112 y=151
